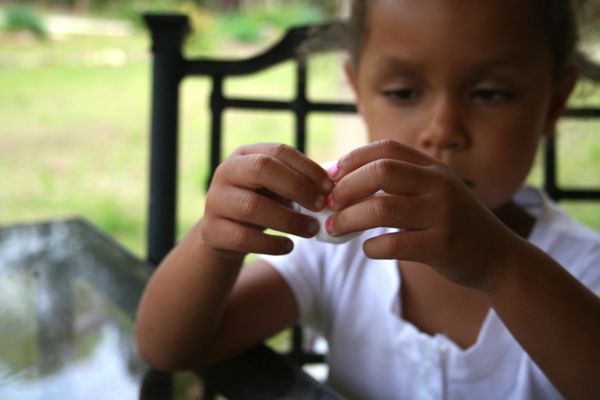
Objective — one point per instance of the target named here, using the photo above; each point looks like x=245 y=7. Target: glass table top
x=68 y=296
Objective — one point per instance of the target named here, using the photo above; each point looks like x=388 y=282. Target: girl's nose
x=444 y=129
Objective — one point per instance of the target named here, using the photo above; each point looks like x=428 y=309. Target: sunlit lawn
x=74 y=132
x=72 y=141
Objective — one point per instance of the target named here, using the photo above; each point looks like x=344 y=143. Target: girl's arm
x=553 y=316
x=195 y=310
x=443 y=225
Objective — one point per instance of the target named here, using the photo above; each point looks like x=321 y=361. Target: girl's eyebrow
x=395 y=63
x=494 y=63
x=501 y=63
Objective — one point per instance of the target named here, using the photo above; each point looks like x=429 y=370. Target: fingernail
x=330 y=202
x=313 y=227
x=329 y=225
x=289 y=247
x=327 y=185
x=333 y=171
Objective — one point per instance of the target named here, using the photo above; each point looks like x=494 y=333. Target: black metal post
x=217 y=107
x=300 y=105
x=550 y=165
x=156 y=385
x=168 y=32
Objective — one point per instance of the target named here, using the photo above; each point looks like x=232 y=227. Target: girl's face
x=468 y=82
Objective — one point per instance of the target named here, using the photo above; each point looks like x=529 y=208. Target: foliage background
x=74 y=108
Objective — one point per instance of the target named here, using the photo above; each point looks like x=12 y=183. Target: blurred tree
x=229 y=5
x=330 y=7
x=82 y=5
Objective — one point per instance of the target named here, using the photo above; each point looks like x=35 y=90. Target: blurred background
x=75 y=101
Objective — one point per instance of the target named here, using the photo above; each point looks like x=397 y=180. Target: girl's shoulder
x=570 y=242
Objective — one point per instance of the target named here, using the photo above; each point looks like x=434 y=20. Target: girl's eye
x=492 y=95
x=401 y=95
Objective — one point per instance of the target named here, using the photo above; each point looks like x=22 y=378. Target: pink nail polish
x=333 y=171
x=329 y=225
x=330 y=202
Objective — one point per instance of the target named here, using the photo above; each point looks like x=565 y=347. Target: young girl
x=462 y=282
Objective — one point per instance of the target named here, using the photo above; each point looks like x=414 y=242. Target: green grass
x=70 y=145
x=74 y=135
x=75 y=121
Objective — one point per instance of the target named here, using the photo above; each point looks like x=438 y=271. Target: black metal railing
x=170 y=67
x=550 y=181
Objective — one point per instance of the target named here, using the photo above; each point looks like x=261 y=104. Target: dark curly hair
x=559 y=20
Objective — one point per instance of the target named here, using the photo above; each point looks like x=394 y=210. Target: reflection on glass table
x=68 y=297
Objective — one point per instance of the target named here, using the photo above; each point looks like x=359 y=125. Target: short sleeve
x=588 y=269
x=303 y=270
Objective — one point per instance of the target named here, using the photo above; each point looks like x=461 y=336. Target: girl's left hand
x=442 y=223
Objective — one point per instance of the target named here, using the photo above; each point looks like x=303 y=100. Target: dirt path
x=64 y=24
x=69 y=25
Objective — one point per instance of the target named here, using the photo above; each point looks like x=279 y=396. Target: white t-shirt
x=354 y=302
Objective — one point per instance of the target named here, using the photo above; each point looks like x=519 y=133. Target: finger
x=407 y=213
x=251 y=208
x=227 y=235
x=295 y=160
x=394 y=177
x=375 y=151
x=275 y=197
x=403 y=245
x=258 y=171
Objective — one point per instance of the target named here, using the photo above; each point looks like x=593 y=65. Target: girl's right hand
x=252 y=190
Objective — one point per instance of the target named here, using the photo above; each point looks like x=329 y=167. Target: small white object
x=322 y=216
